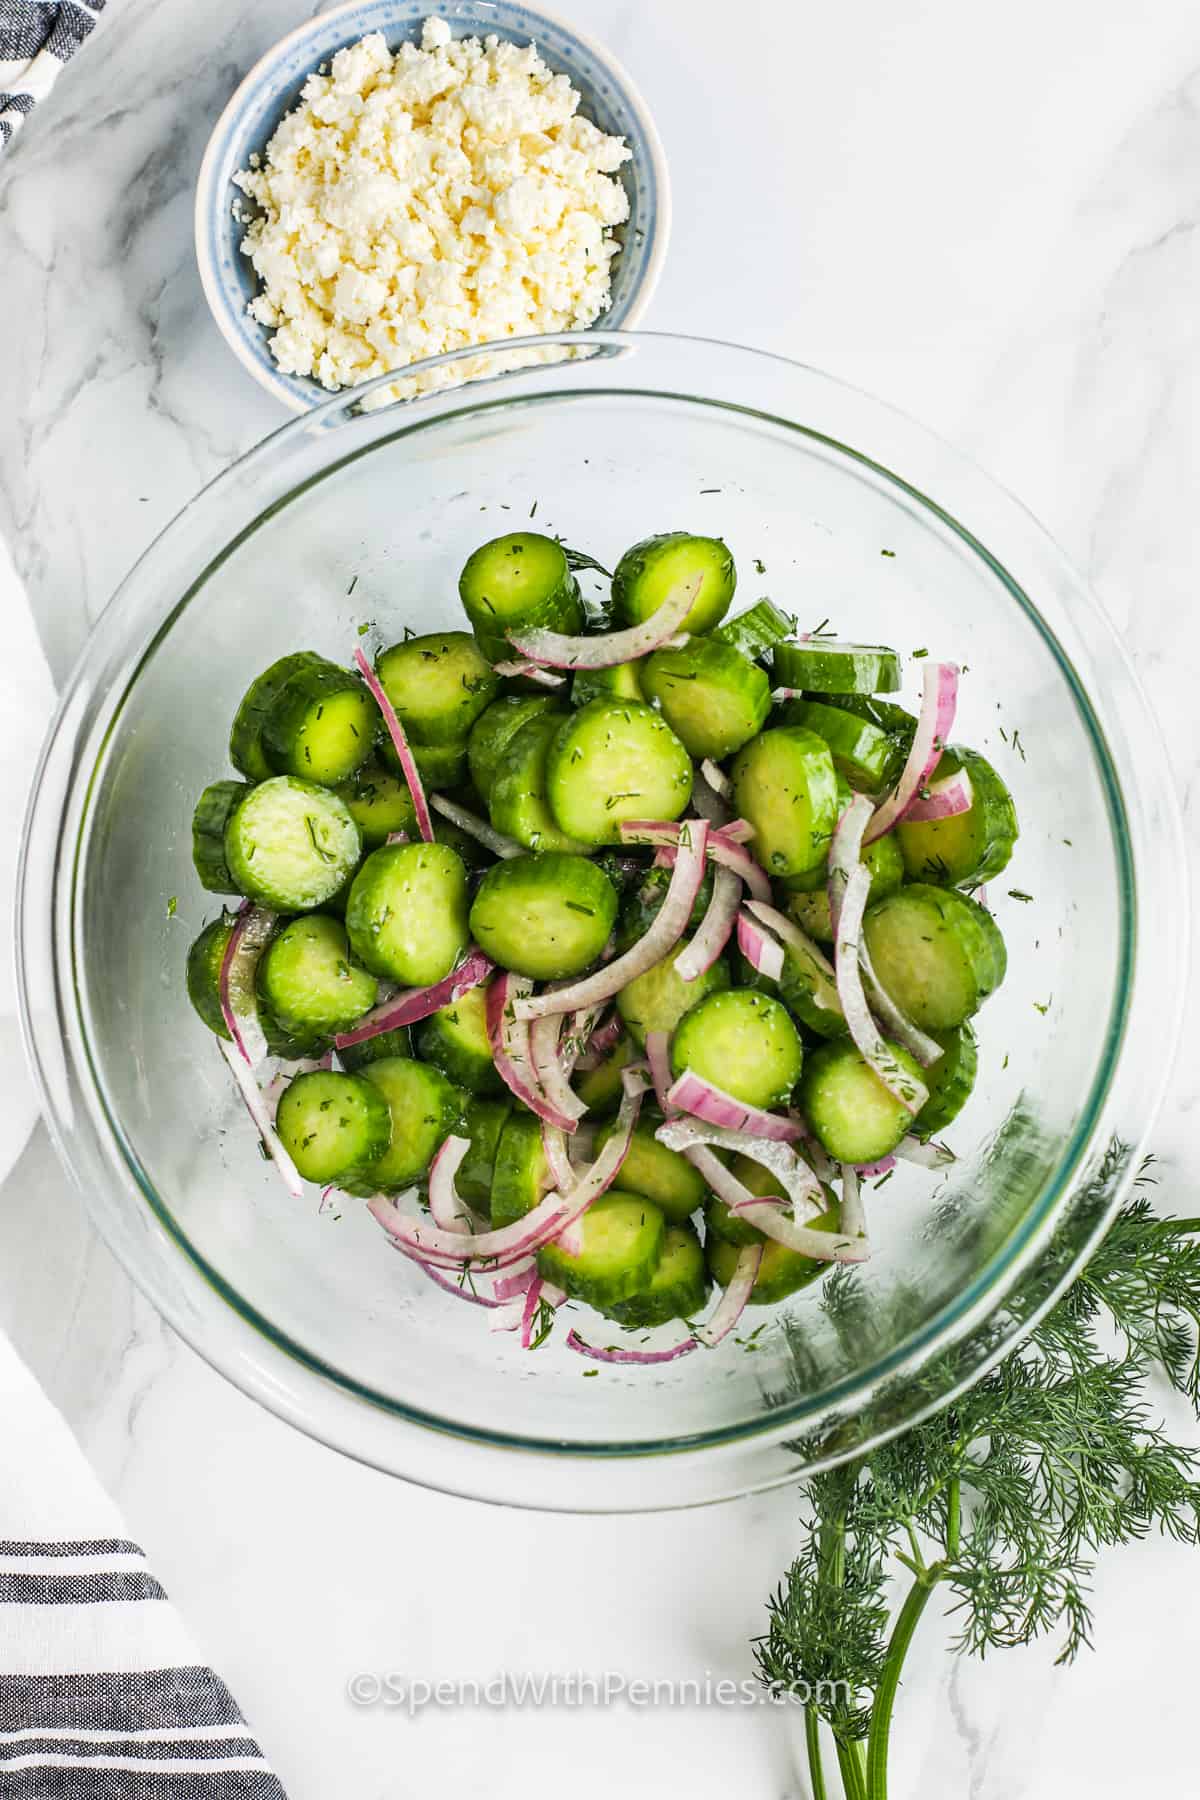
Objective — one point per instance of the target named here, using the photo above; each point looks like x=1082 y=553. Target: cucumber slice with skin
x=731 y=1227
x=657 y=1000
x=333 y=1126
x=784 y=784
x=495 y=729
x=744 y=1042
x=204 y=960
x=521 y=1175
x=936 y=953
x=309 y=981
x=517 y=803
x=547 y=915
x=615 y=760
x=756 y=631
x=678 y=1287
x=439 y=765
x=439 y=684
x=781 y=1271
x=213 y=811
x=868 y=757
x=379 y=803
x=810 y=993
x=662 y=1175
x=713 y=698
x=246 y=750
x=647 y=892
x=622 y=682
x=972 y=847
x=829 y=666
x=407 y=912
x=290 y=844
x=808 y=895
x=600 y=1088
x=397 y=1042
x=485 y=1121
x=949 y=1080
x=620 y=1243
x=517 y=582
x=455 y=1039
x=650 y=570
x=424 y=1107
x=849 y=1110
x=321 y=725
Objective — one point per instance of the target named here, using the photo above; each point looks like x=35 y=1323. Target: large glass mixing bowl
x=840 y=510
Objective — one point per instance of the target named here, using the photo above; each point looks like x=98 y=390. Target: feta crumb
x=421 y=202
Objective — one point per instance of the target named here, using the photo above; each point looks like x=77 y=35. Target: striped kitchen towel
x=102 y=1693
x=36 y=38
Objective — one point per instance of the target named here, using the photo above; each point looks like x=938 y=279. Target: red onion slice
x=613 y=1354
x=578 y=1030
x=911 y=1093
x=715 y=928
x=235 y=982
x=511 y=1286
x=529 y=672
x=408 y=765
x=478 y=828
x=667 y=928
x=926 y=1155
x=763 y=952
x=606 y=650
x=659 y=1057
x=771 y=1220
x=447 y=1208
x=599 y=1044
x=935 y=721
x=845 y=853
x=412 y=1004
x=945 y=799
x=512 y=1050
x=867 y=1171
x=793 y=1173
x=854 y=1219
x=460 y=1288
x=549 y=1072
x=693 y=1094
x=707 y=803
x=733 y=1301
x=554 y=1142
x=725 y=847
x=256 y=1106
x=529 y=1312
x=716 y=778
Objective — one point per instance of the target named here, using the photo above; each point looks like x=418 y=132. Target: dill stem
x=852 y=1771
x=953 y=1519
x=812 y=1743
x=885 y=1694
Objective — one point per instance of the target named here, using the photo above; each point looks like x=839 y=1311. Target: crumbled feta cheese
x=421 y=202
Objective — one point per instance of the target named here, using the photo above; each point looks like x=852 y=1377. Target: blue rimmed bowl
x=272 y=89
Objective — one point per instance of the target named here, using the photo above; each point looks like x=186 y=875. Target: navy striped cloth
x=36 y=38
x=103 y=1695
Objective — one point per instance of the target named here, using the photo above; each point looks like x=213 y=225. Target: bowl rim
x=235 y=326
x=1013 y=1259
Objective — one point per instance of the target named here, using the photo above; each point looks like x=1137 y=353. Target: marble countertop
x=990 y=219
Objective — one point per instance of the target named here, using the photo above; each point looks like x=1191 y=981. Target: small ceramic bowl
x=272 y=89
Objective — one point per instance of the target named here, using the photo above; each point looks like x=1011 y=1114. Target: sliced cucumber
x=781 y=1271
x=423 y=1107
x=615 y=760
x=484 y=1122
x=678 y=1287
x=620 y=1242
x=517 y=582
x=662 y=1175
x=438 y=684
x=397 y=1042
x=731 y=1227
x=713 y=698
x=742 y=1041
x=824 y=665
x=310 y=982
x=784 y=784
x=649 y=571
x=808 y=895
x=246 y=750
x=657 y=1000
x=321 y=725
x=949 y=1080
x=455 y=1038
x=204 y=961
x=495 y=729
x=290 y=844
x=868 y=757
x=407 y=912
x=756 y=631
x=522 y=1174
x=972 y=847
x=517 y=802
x=548 y=915
x=379 y=803
x=333 y=1126
x=809 y=992
x=213 y=811
x=936 y=953
x=647 y=891
x=440 y=766
x=600 y=1088
x=848 y=1108
x=622 y=682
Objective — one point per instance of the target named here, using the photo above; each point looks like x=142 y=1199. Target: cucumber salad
x=603 y=949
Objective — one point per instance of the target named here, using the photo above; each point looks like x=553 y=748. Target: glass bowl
x=841 y=510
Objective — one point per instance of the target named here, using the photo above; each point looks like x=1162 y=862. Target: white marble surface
x=988 y=216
